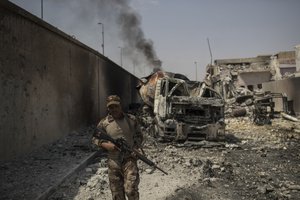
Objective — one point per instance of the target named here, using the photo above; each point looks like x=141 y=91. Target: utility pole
x=196 y=71
x=209 y=51
x=102 y=37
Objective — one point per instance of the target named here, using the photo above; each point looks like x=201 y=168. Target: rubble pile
x=279 y=130
x=240 y=82
x=261 y=165
x=259 y=107
x=254 y=162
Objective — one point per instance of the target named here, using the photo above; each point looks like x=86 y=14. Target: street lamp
x=121 y=55
x=42 y=9
x=196 y=70
x=102 y=37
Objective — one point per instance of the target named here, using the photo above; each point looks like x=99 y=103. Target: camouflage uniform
x=122 y=168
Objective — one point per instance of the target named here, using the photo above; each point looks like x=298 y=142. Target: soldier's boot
x=133 y=195
x=118 y=195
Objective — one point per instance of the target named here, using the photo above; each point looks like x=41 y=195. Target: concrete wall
x=253 y=78
x=289 y=70
x=288 y=86
x=297 y=52
x=286 y=57
x=50 y=84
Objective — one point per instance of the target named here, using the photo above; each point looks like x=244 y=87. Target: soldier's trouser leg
x=116 y=180
x=131 y=179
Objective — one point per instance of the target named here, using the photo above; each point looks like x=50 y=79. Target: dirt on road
x=255 y=162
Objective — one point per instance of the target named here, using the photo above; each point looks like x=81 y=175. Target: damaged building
x=259 y=86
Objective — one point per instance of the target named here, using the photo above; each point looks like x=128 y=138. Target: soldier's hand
x=137 y=151
x=109 y=146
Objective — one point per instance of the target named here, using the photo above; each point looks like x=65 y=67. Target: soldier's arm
x=104 y=144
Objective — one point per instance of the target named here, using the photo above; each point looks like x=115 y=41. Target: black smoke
x=134 y=38
x=119 y=19
x=131 y=33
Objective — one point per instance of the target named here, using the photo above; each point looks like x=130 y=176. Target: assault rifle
x=124 y=147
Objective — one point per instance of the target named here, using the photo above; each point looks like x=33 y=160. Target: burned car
x=183 y=109
x=264 y=107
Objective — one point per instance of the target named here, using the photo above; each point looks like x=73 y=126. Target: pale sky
x=179 y=28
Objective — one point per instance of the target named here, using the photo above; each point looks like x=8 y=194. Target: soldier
x=122 y=168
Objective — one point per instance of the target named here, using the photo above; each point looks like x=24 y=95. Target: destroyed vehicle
x=263 y=110
x=264 y=107
x=184 y=110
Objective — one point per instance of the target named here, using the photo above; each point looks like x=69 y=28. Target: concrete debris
x=241 y=83
x=289 y=117
x=246 y=166
x=238 y=112
x=259 y=106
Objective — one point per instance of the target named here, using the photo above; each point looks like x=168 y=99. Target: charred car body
x=183 y=109
x=264 y=106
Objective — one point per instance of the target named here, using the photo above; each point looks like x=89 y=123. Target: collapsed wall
x=50 y=83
